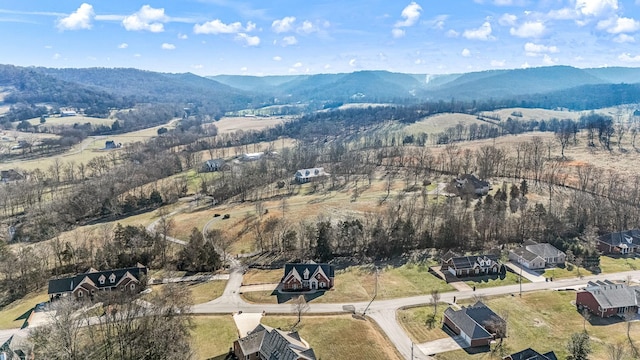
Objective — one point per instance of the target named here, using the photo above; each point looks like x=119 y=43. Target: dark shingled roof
x=630 y=238
x=467 y=262
x=57 y=286
x=525 y=254
x=473 y=320
x=530 y=354
x=276 y=344
x=327 y=268
x=610 y=295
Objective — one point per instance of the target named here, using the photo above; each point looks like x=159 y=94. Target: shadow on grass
x=283 y=297
x=485 y=278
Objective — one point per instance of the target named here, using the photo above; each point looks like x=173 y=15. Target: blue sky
x=261 y=37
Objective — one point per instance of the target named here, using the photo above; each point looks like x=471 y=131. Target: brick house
x=86 y=285
x=476 y=324
x=605 y=298
x=304 y=277
x=624 y=242
x=267 y=343
x=474 y=265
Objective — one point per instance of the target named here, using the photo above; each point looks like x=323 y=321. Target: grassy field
x=339 y=337
x=563 y=273
x=201 y=292
x=438 y=123
x=70 y=120
x=358 y=284
x=9 y=313
x=414 y=322
x=254 y=276
x=612 y=265
x=481 y=282
x=212 y=336
x=543 y=320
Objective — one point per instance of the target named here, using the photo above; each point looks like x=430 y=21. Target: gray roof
x=525 y=254
x=610 y=295
x=276 y=344
x=58 y=286
x=328 y=269
x=312 y=172
x=629 y=238
x=473 y=320
x=530 y=354
x=544 y=250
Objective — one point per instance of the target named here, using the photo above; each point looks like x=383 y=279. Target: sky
x=285 y=37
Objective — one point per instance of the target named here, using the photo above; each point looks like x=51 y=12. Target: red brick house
x=86 y=285
x=477 y=324
x=625 y=242
x=304 y=277
x=605 y=299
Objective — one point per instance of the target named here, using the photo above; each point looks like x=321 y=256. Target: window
x=112 y=278
x=132 y=286
x=322 y=285
x=80 y=293
x=101 y=280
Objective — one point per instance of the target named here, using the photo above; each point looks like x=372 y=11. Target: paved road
x=384 y=311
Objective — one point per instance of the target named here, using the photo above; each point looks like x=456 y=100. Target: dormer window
x=102 y=279
x=112 y=278
x=306 y=274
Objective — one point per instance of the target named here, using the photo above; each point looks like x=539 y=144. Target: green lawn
x=414 y=321
x=482 y=282
x=358 y=283
x=612 y=265
x=339 y=337
x=545 y=321
x=207 y=291
x=9 y=313
x=563 y=273
x=212 y=336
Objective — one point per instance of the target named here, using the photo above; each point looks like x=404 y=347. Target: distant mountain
x=509 y=83
x=616 y=75
x=253 y=83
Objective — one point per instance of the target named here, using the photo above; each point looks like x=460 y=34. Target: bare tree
x=299 y=307
x=435 y=299
x=617 y=351
x=586 y=317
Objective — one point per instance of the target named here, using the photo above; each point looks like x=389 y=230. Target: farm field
x=543 y=320
x=70 y=120
x=438 y=123
x=234 y=123
x=339 y=337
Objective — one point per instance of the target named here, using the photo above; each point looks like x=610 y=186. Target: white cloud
x=497 y=63
x=167 y=46
x=147 y=18
x=197 y=66
x=508 y=20
x=137 y=55
x=277 y=58
x=243 y=69
x=525 y=65
x=438 y=22
x=289 y=40
x=624 y=38
x=218 y=27
x=626 y=57
x=411 y=14
x=327 y=66
x=482 y=33
x=530 y=29
x=352 y=62
x=465 y=52
x=596 y=8
x=297 y=65
x=283 y=25
x=48 y=47
x=79 y=19
x=619 y=25
x=418 y=61
x=452 y=33
x=183 y=36
x=123 y=46
x=397 y=33
x=532 y=49
x=547 y=60
x=563 y=14
x=307 y=27
x=248 y=39
x=503 y=2
x=56 y=56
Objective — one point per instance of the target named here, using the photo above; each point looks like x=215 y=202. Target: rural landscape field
x=363 y=180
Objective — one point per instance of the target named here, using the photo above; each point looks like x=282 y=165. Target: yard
x=339 y=337
x=212 y=336
x=613 y=265
x=481 y=282
x=201 y=292
x=564 y=273
x=414 y=322
x=543 y=320
x=9 y=313
x=358 y=283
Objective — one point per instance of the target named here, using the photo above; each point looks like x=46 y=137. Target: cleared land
x=339 y=337
x=358 y=283
x=543 y=320
x=438 y=123
x=611 y=265
x=70 y=120
x=11 y=312
x=234 y=123
x=213 y=336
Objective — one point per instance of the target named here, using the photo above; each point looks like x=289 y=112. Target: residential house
x=605 y=298
x=477 y=324
x=471 y=184
x=530 y=354
x=252 y=156
x=306 y=175
x=213 y=165
x=535 y=255
x=10 y=176
x=86 y=285
x=16 y=347
x=470 y=265
x=625 y=242
x=65 y=113
x=309 y=276
x=267 y=343
x=110 y=144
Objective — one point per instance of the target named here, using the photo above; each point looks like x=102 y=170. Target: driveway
x=443 y=345
x=246 y=322
x=526 y=273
